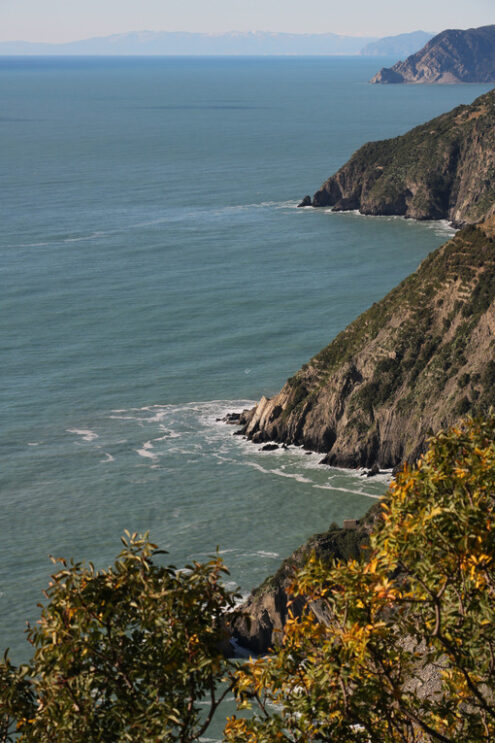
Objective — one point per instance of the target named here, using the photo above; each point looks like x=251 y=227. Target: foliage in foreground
x=125 y=654
x=405 y=652
x=407 y=649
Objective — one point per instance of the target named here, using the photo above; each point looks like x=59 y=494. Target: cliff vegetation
x=414 y=363
x=444 y=169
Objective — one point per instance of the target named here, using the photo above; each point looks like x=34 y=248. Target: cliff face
x=265 y=612
x=414 y=363
x=444 y=169
x=452 y=56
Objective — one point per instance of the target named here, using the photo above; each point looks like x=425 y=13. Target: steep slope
x=444 y=169
x=401 y=45
x=265 y=612
x=453 y=56
x=410 y=365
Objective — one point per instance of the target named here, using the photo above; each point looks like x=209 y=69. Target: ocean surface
x=156 y=274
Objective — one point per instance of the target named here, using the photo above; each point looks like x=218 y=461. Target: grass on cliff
x=418 y=355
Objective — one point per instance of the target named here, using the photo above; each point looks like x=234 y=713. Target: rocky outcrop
x=260 y=623
x=453 y=56
x=444 y=169
x=413 y=364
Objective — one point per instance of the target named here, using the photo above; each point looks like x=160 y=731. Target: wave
x=440 y=226
x=85 y=433
x=168 y=438
x=174 y=215
x=146 y=452
x=348 y=490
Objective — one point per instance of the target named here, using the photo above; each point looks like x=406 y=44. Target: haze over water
x=156 y=274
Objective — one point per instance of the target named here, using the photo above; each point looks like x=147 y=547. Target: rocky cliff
x=453 y=56
x=264 y=614
x=412 y=364
x=444 y=169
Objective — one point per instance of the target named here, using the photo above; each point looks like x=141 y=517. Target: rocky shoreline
x=416 y=362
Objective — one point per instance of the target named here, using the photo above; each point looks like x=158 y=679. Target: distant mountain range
x=397 y=46
x=233 y=43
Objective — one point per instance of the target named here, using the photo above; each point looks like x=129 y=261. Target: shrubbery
x=125 y=654
x=404 y=650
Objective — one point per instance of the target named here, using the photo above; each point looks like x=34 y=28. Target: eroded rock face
x=453 y=56
x=414 y=363
x=444 y=169
x=264 y=614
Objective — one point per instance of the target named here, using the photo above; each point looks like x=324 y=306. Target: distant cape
x=401 y=45
x=453 y=56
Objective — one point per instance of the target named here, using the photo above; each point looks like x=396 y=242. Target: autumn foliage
x=132 y=653
x=396 y=648
x=406 y=651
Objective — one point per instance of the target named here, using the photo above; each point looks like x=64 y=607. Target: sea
x=156 y=275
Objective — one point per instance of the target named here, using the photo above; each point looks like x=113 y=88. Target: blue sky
x=67 y=20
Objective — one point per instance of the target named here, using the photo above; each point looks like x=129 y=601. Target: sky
x=69 y=20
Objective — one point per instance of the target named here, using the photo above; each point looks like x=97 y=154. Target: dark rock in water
x=270 y=447
x=306 y=201
x=375 y=470
x=261 y=620
x=453 y=56
x=232 y=419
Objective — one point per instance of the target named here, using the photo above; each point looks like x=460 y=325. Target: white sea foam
x=440 y=226
x=291 y=475
x=146 y=452
x=263 y=553
x=347 y=490
x=86 y=433
x=108 y=458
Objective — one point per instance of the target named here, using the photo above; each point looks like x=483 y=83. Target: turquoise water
x=156 y=274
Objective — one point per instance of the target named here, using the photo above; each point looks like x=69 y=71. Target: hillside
x=453 y=56
x=414 y=363
x=444 y=169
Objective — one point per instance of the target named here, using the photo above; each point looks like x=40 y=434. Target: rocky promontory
x=444 y=169
x=453 y=56
x=260 y=624
x=414 y=363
